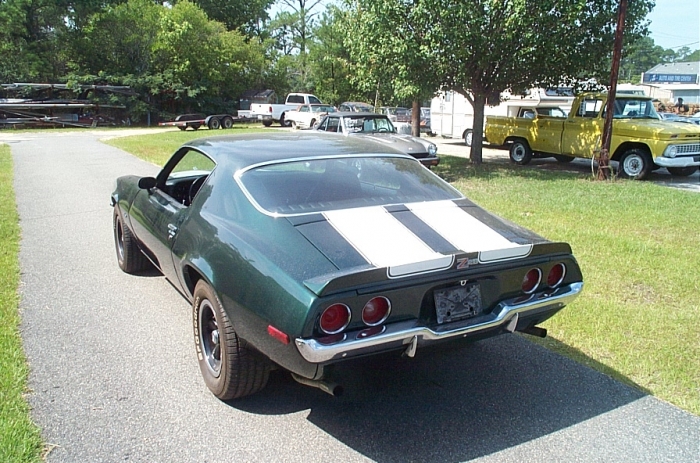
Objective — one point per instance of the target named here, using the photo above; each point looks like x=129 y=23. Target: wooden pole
x=604 y=156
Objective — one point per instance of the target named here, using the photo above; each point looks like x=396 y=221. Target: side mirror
x=146 y=183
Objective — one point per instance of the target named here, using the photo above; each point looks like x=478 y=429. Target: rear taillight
x=531 y=280
x=270 y=109
x=376 y=311
x=556 y=275
x=335 y=318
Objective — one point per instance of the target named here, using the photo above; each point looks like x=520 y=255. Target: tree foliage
x=243 y=15
x=391 y=54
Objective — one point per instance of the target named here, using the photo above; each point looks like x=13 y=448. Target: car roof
x=356 y=114
x=240 y=151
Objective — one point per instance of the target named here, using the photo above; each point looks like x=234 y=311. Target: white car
x=307 y=115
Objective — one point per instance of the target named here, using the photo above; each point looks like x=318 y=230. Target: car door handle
x=172 y=229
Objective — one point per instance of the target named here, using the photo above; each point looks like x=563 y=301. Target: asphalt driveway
x=114 y=375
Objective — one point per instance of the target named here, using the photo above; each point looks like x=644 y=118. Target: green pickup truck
x=641 y=141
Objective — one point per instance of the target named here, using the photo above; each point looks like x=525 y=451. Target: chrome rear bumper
x=505 y=315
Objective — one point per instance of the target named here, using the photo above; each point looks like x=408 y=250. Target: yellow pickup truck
x=641 y=141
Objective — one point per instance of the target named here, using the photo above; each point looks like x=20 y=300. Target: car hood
x=391 y=242
x=406 y=143
x=657 y=129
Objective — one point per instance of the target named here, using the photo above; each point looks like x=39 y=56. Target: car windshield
x=632 y=108
x=367 y=124
x=318 y=185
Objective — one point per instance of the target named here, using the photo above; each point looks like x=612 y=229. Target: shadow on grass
x=453 y=168
x=448 y=405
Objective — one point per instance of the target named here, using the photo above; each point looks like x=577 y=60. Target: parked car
x=299 y=251
x=307 y=115
x=396 y=113
x=268 y=113
x=671 y=117
x=356 y=107
x=378 y=127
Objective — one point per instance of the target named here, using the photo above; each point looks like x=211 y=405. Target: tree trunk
x=415 y=118
x=478 y=103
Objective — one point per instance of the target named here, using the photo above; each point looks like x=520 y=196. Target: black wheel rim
x=209 y=337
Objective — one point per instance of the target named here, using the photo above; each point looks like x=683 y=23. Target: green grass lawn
x=19 y=437
x=157 y=148
x=638 y=317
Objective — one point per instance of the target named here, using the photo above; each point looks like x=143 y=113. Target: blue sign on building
x=671 y=78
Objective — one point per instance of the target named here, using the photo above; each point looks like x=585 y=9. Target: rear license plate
x=457 y=302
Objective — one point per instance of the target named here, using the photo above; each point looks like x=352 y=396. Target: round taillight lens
x=335 y=318
x=556 y=275
x=376 y=311
x=531 y=280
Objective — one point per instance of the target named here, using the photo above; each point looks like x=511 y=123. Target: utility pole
x=604 y=156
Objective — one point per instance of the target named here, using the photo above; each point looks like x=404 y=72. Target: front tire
x=214 y=123
x=230 y=368
x=129 y=256
x=635 y=164
x=294 y=125
x=468 y=137
x=520 y=152
x=681 y=171
x=284 y=122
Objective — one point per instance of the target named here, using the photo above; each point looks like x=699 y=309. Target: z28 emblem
x=465 y=262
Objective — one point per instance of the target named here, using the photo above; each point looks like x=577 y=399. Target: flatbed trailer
x=195 y=121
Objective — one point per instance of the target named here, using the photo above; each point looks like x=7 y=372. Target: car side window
x=332 y=124
x=590 y=108
x=304 y=109
x=184 y=179
x=314 y=100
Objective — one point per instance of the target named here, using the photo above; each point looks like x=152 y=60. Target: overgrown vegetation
x=19 y=437
x=184 y=56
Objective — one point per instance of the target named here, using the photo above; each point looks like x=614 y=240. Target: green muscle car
x=301 y=250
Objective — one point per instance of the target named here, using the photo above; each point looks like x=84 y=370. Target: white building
x=674 y=80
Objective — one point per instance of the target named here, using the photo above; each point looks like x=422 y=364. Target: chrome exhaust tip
x=328 y=387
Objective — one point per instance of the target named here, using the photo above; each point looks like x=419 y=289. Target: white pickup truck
x=269 y=113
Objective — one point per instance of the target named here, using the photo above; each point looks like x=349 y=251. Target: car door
x=156 y=214
x=583 y=129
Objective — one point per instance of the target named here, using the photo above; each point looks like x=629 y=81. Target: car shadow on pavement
x=449 y=405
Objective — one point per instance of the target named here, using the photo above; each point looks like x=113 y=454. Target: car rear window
x=318 y=185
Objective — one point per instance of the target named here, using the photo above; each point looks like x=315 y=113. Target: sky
x=676 y=23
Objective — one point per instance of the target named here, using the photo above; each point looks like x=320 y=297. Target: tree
x=388 y=43
x=242 y=15
x=640 y=56
x=293 y=31
x=484 y=47
x=330 y=59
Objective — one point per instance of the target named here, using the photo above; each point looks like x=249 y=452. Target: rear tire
x=681 y=171
x=227 y=122
x=229 y=367
x=635 y=164
x=129 y=256
x=267 y=123
x=520 y=152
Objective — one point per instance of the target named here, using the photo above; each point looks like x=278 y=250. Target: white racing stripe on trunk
x=466 y=232
x=386 y=242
